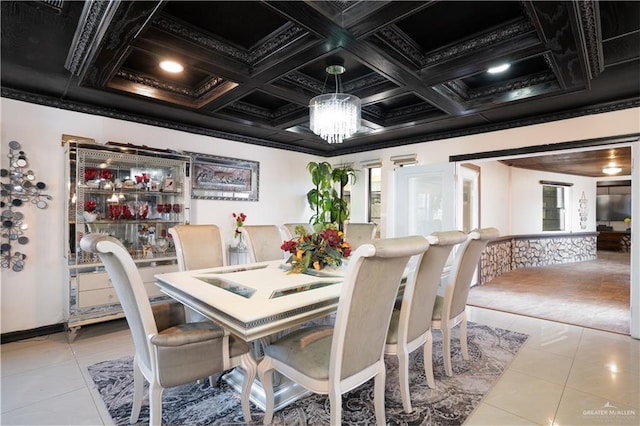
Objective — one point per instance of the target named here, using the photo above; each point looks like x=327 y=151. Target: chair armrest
x=188 y=333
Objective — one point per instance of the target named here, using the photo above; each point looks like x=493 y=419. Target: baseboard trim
x=14 y=336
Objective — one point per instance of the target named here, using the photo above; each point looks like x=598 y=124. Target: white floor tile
x=525 y=396
x=20 y=390
x=73 y=408
x=579 y=408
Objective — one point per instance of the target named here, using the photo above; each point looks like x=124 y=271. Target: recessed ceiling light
x=498 y=69
x=171 y=66
x=612 y=169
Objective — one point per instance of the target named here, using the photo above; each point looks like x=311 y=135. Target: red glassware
x=90 y=174
x=160 y=208
x=105 y=174
x=145 y=177
x=138 y=178
x=115 y=210
x=89 y=206
x=143 y=210
x=126 y=212
x=177 y=208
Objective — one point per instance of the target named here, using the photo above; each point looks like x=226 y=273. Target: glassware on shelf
x=177 y=209
x=115 y=210
x=162 y=244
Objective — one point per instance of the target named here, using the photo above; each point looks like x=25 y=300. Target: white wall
x=36 y=296
x=526 y=201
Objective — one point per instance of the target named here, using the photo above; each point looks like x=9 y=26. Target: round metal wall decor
x=19 y=189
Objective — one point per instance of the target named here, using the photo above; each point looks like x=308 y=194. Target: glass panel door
x=425 y=199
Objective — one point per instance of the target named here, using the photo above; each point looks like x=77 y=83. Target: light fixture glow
x=171 y=66
x=499 y=68
x=334 y=116
x=612 y=169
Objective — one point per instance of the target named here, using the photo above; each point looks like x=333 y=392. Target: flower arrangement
x=317 y=250
x=239 y=218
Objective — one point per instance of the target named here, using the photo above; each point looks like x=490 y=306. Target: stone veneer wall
x=509 y=253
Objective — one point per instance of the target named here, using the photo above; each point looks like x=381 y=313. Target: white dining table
x=254 y=302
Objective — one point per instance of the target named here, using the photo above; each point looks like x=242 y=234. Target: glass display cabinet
x=134 y=195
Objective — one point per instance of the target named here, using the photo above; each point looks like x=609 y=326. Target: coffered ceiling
x=251 y=67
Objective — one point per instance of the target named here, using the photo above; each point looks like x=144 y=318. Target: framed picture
x=168 y=185
x=224 y=178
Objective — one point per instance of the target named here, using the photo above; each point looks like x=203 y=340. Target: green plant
x=328 y=204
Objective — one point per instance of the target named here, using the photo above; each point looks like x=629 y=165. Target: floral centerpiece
x=317 y=250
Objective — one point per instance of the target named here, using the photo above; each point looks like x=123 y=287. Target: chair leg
x=446 y=350
x=463 y=337
x=248 y=364
x=335 y=405
x=138 y=389
x=428 y=360
x=155 y=404
x=403 y=367
x=265 y=373
x=378 y=394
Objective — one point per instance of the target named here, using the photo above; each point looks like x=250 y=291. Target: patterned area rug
x=490 y=350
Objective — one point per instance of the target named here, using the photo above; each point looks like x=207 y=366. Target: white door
x=425 y=199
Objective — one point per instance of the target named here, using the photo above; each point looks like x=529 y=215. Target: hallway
x=593 y=294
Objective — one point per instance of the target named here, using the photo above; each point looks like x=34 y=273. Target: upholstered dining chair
x=450 y=309
x=357 y=234
x=199 y=246
x=168 y=351
x=333 y=360
x=263 y=242
x=290 y=228
x=410 y=326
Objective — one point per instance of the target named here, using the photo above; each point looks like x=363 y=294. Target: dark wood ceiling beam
x=517 y=49
x=366 y=52
x=198 y=56
x=390 y=13
x=557 y=25
x=126 y=20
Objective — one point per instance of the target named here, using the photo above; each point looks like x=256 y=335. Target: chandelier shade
x=334 y=116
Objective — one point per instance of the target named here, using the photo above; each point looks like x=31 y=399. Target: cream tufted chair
x=333 y=360
x=410 y=326
x=199 y=246
x=357 y=234
x=290 y=229
x=169 y=352
x=449 y=310
x=263 y=242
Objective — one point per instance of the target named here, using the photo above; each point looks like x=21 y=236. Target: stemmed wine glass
x=177 y=208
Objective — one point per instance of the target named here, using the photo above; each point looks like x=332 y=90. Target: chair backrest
x=466 y=266
x=263 y=242
x=199 y=246
x=421 y=290
x=291 y=229
x=127 y=281
x=366 y=301
x=357 y=234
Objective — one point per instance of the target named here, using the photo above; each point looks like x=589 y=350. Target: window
x=553 y=207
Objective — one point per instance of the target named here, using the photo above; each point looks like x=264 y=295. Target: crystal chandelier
x=334 y=116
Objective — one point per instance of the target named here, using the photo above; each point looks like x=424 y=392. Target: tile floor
x=564 y=375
